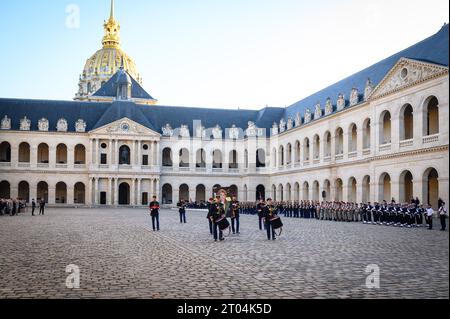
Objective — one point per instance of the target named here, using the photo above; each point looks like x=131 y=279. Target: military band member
x=154 y=213
x=235 y=215
x=270 y=211
x=260 y=212
x=218 y=212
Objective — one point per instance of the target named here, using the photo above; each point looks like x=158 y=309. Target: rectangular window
x=104 y=159
x=145 y=199
x=103 y=198
x=145 y=160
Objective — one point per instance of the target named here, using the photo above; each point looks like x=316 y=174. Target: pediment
x=406 y=73
x=125 y=127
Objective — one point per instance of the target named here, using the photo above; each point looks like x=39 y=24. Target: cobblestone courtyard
x=120 y=257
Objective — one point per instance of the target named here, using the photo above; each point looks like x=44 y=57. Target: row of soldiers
x=390 y=214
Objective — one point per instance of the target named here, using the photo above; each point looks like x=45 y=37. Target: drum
x=223 y=223
x=276 y=223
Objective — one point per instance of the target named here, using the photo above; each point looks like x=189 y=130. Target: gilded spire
x=111 y=38
x=111 y=17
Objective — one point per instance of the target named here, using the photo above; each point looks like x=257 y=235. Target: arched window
x=167 y=194
x=61 y=193
x=297 y=157
x=184 y=193
x=281 y=156
x=406 y=187
x=24 y=191
x=201 y=158
x=366 y=134
x=353 y=138
x=79 y=193
x=260 y=192
x=217 y=159
x=5 y=152
x=431 y=120
x=42 y=191
x=233 y=160
x=200 y=193
x=5 y=190
x=406 y=123
x=327 y=145
x=339 y=138
x=24 y=153
x=306 y=150
x=316 y=191
x=167 y=157
x=352 y=190
x=339 y=188
x=184 y=158
x=260 y=158
x=124 y=156
x=385 y=128
x=289 y=154
x=80 y=155
x=61 y=154
x=385 y=188
x=43 y=152
x=316 y=148
x=431 y=187
x=366 y=189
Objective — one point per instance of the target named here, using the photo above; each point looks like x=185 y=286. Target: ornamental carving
x=25 y=124
x=80 y=126
x=43 y=125
x=6 y=123
x=282 y=125
x=328 y=107
x=275 y=129
x=200 y=131
x=368 y=89
x=340 y=102
x=290 y=123
x=354 y=97
x=308 y=116
x=298 y=119
x=217 y=132
x=234 y=132
x=61 y=126
x=184 y=131
x=167 y=130
x=318 y=112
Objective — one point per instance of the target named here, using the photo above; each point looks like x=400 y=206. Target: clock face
x=125 y=127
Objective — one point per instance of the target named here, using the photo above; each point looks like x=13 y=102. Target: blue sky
x=234 y=53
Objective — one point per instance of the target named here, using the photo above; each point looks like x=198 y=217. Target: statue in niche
x=80 y=126
x=184 y=131
x=282 y=125
x=275 y=129
x=290 y=123
x=234 y=132
x=318 y=112
x=217 y=132
x=298 y=119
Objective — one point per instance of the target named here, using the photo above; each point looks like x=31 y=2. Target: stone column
x=97 y=152
x=52 y=156
x=139 y=155
x=192 y=192
x=33 y=191
x=70 y=194
x=14 y=155
x=51 y=195
x=116 y=153
x=133 y=160
x=110 y=153
x=133 y=191
x=14 y=191
x=109 y=196
x=152 y=189
x=139 y=192
x=158 y=155
x=91 y=151
x=395 y=191
x=158 y=190
x=70 y=156
x=89 y=193
x=96 y=190
x=116 y=191
x=359 y=191
x=33 y=156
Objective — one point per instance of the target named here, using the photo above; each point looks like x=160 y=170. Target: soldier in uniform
x=33 y=206
x=235 y=215
x=270 y=211
x=260 y=212
x=218 y=212
x=154 y=213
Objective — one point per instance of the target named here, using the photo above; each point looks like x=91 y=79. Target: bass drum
x=223 y=223
x=276 y=223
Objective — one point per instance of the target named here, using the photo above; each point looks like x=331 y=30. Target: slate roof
x=98 y=114
x=109 y=89
x=434 y=49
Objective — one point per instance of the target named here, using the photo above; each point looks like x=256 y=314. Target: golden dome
x=101 y=66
